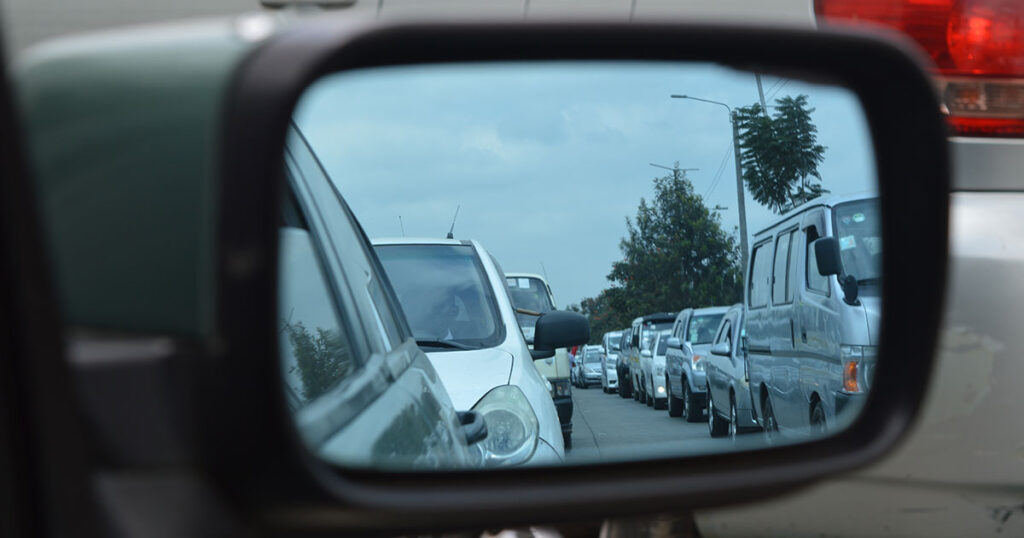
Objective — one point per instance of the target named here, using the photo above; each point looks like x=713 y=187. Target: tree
x=676 y=255
x=780 y=154
x=322 y=359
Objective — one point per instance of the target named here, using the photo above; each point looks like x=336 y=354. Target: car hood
x=701 y=349
x=468 y=375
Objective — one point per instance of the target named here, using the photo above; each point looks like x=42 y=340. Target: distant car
x=532 y=292
x=454 y=296
x=689 y=345
x=609 y=376
x=652 y=371
x=641 y=337
x=588 y=366
x=729 y=404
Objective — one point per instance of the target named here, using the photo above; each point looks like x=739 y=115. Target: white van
x=812 y=301
x=532 y=292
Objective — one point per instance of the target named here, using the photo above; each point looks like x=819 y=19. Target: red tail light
x=977 y=47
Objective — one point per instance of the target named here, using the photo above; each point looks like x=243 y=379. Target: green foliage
x=676 y=255
x=322 y=359
x=780 y=154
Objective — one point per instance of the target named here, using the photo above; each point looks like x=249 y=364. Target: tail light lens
x=976 y=46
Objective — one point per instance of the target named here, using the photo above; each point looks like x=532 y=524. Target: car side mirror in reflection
x=721 y=348
x=674 y=343
x=645 y=353
x=560 y=328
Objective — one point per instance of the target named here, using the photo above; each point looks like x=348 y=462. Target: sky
x=545 y=161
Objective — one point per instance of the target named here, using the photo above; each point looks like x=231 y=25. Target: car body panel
x=727 y=376
x=678 y=361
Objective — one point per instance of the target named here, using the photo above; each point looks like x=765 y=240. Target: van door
x=757 y=305
x=790 y=410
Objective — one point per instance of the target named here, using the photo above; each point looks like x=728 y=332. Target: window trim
x=750 y=276
x=775 y=255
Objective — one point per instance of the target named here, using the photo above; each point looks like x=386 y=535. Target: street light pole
x=740 y=197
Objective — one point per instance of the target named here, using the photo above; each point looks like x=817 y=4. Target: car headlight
x=562 y=387
x=697 y=362
x=512 y=427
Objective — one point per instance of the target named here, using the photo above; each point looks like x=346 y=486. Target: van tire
x=716 y=426
x=771 y=425
x=567 y=440
x=818 y=424
x=691 y=412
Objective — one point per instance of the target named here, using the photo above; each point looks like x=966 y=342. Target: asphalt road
x=609 y=428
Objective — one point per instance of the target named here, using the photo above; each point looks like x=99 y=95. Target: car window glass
x=815 y=280
x=315 y=350
x=760 y=278
x=780 y=273
x=702 y=328
x=791 y=278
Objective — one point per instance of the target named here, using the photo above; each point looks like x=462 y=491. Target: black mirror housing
x=826 y=254
x=560 y=328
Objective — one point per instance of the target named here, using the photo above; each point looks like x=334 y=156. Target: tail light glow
x=976 y=46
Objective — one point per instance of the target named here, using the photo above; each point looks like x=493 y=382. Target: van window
x=794 y=251
x=779 y=295
x=760 y=279
x=815 y=281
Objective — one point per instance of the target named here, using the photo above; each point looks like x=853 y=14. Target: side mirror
x=539 y=354
x=826 y=254
x=721 y=348
x=646 y=353
x=674 y=343
x=560 y=328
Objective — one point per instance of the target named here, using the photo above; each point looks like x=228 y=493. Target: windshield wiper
x=447 y=344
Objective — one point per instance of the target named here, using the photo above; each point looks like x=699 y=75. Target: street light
x=739 y=172
x=675 y=170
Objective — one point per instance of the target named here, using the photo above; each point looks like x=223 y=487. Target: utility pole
x=760 y=92
x=740 y=191
x=675 y=170
x=739 y=188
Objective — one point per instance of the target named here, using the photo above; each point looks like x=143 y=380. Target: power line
x=718 y=173
x=780 y=89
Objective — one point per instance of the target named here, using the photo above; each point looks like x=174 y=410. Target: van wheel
x=690 y=410
x=675 y=405
x=716 y=426
x=771 y=426
x=818 y=425
x=567 y=440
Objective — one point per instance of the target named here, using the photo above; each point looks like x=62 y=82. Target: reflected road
x=609 y=428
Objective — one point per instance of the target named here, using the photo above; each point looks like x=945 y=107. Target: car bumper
x=697 y=381
x=849 y=403
x=592 y=377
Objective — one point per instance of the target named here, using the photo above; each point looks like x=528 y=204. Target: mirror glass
x=437 y=216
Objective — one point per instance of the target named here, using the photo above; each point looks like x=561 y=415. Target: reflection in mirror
x=717 y=251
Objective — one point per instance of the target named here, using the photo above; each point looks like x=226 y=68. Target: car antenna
x=401 y=225
x=545 y=270
x=452 y=229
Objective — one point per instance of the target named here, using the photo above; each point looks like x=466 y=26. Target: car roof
x=526 y=275
x=418 y=241
x=659 y=316
x=821 y=201
x=711 y=310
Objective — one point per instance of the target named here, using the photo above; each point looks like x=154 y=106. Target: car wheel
x=716 y=426
x=734 y=428
x=675 y=405
x=818 y=425
x=567 y=440
x=690 y=410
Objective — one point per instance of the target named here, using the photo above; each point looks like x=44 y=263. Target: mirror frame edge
x=267 y=87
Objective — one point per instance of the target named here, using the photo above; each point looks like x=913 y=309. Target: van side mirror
x=721 y=348
x=826 y=254
x=674 y=343
x=646 y=353
x=560 y=328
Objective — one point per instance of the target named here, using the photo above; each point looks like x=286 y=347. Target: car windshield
x=650 y=329
x=444 y=292
x=528 y=294
x=858 y=228
x=702 y=328
x=592 y=357
x=613 y=342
